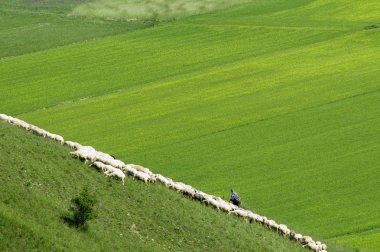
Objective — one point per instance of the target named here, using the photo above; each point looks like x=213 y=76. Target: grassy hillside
x=38 y=179
x=279 y=99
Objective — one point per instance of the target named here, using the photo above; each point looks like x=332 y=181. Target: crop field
x=30 y=26
x=278 y=99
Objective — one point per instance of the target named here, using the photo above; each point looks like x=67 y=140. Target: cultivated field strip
x=112 y=167
x=40 y=32
x=317 y=14
x=128 y=61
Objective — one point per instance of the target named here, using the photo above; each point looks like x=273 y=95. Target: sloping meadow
x=39 y=178
x=277 y=103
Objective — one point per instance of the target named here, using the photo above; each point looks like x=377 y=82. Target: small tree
x=82 y=210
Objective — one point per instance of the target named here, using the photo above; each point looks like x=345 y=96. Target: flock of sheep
x=112 y=167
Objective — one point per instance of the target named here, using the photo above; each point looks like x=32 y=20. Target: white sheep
x=113 y=172
x=240 y=212
x=55 y=137
x=188 y=190
x=12 y=120
x=141 y=168
x=313 y=246
x=170 y=184
x=99 y=165
x=143 y=176
x=223 y=205
x=18 y=122
x=263 y=220
x=99 y=153
x=73 y=145
x=84 y=154
x=284 y=229
x=306 y=239
x=103 y=159
x=162 y=179
x=4 y=117
x=88 y=148
x=319 y=244
x=250 y=215
x=324 y=246
x=178 y=186
x=260 y=219
x=38 y=130
x=271 y=224
x=138 y=174
x=117 y=163
x=108 y=159
x=298 y=237
x=253 y=217
x=211 y=201
x=130 y=171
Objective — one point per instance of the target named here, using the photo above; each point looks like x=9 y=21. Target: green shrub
x=82 y=210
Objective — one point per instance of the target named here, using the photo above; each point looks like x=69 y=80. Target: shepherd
x=235 y=199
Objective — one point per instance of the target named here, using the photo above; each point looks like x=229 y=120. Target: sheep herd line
x=112 y=167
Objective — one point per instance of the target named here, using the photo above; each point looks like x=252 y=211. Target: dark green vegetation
x=38 y=179
x=278 y=99
x=81 y=210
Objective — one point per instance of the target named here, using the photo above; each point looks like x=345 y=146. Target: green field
x=278 y=99
x=30 y=26
x=38 y=179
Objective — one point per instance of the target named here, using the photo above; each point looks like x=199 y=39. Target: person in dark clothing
x=235 y=199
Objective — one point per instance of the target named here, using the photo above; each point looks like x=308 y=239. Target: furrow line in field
x=275 y=27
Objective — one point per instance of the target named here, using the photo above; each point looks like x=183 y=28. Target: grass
x=367 y=240
x=39 y=178
x=278 y=99
x=30 y=26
